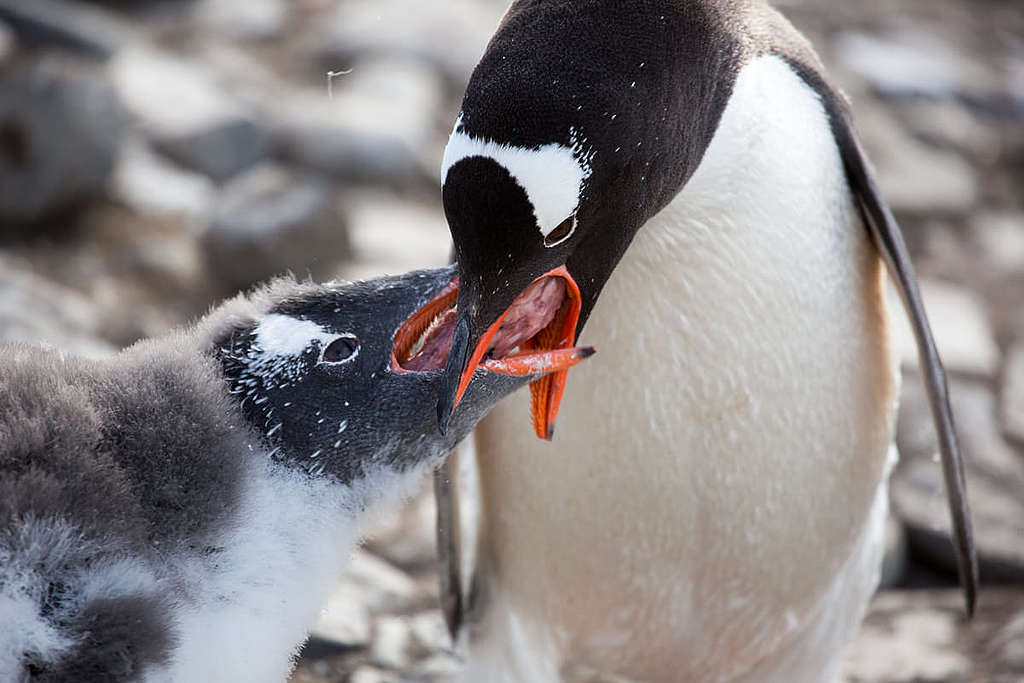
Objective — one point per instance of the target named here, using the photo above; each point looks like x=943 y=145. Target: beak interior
x=534 y=336
x=423 y=341
x=538 y=331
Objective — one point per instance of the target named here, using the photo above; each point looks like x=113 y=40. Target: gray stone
x=35 y=311
x=450 y=36
x=220 y=150
x=75 y=25
x=392 y=641
x=915 y=177
x=344 y=620
x=8 y=43
x=406 y=537
x=1011 y=393
x=895 y=559
x=429 y=633
x=373 y=124
x=1000 y=239
x=962 y=331
x=912 y=63
x=371 y=674
x=188 y=113
x=385 y=587
x=59 y=134
x=994 y=473
x=246 y=19
x=439 y=667
x=154 y=187
x=952 y=124
x=269 y=221
x=921 y=635
x=392 y=235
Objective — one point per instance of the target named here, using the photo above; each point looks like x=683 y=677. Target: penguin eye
x=561 y=232
x=339 y=350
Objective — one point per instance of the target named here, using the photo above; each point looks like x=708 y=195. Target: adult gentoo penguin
x=179 y=512
x=683 y=179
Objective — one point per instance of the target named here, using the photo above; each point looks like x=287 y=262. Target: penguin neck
x=753 y=219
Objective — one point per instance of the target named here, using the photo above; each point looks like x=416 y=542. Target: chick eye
x=562 y=232
x=341 y=349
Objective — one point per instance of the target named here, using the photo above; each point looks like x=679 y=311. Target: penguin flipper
x=889 y=240
x=449 y=545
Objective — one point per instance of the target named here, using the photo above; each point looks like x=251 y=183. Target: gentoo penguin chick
x=682 y=177
x=179 y=512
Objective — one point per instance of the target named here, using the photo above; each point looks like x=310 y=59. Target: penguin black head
x=582 y=120
x=329 y=379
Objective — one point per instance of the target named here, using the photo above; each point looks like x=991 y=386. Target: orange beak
x=424 y=342
x=551 y=350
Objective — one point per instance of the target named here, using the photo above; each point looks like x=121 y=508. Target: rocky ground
x=157 y=156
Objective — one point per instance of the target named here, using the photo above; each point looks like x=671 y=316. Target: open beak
x=549 y=350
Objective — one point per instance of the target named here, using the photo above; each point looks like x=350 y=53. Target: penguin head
x=329 y=379
x=571 y=136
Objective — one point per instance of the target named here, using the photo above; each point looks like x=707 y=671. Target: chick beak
x=548 y=351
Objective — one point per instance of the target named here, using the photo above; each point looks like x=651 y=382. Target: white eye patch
x=552 y=175
x=283 y=335
x=279 y=343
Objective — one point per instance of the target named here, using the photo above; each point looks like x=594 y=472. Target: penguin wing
x=889 y=240
x=449 y=543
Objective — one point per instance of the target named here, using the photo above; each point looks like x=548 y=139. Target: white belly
x=714 y=465
x=243 y=616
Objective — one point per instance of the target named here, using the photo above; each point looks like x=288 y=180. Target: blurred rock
x=39 y=312
x=912 y=645
x=269 y=221
x=188 y=114
x=450 y=35
x=920 y=636
x=75 y=25
x=385 y=588
x=995 y=478
x=961 y=329
x=915 y=177
x=912 y=63
x=894 y=561
x=440 y=667
x=344 y=621
x=7 y=43
x=221 y=150
x=375 y=124
x=1000 y=237
x=1012 y=394
x=246 y=19
x=429 y=633
x=371 y=674
x=392 y=641
x=392 y=235
x=152 y=186
x=951 y=124
x=406 y=538
x=59 y=133
x=919 y=179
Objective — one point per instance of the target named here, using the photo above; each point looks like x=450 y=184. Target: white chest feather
x=714 y=465
x=242 y=615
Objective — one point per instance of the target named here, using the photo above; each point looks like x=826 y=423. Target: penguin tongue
x=431 y=352
x=541 y=323
x=528 y=341
x=534 y=337
x=529 y=315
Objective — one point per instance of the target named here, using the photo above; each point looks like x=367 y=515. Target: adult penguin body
x=680 y=173
x=179 y=512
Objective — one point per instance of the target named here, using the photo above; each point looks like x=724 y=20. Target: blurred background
x=158 y=156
